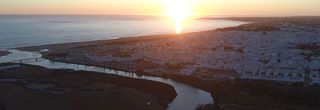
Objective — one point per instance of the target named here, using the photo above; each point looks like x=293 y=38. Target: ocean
x=20 y=31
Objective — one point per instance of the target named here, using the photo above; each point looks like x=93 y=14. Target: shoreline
x=94 y=42
x=125 y=40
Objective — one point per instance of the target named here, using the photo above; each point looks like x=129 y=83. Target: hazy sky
x=158 y=7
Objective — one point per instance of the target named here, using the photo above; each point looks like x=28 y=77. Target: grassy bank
x=37 y=88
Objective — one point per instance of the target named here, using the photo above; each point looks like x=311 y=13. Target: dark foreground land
x=35 y=88
x=256 y=95
x=4 y=53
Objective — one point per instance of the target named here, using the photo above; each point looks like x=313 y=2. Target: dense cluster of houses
x=253 y=55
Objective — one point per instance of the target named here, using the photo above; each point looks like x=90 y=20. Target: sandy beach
x=99 y=42
x=37 y=88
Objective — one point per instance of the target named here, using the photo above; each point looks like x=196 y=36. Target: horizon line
x=157 y=15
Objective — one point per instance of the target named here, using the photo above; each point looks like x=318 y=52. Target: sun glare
x=179 y=10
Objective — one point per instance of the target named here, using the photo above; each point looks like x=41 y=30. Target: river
x=188 y=97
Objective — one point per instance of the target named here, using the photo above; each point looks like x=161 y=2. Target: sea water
x=20 y=31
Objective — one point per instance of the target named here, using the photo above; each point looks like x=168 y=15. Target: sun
x=179 y=10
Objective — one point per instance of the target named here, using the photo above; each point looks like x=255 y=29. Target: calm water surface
x=19 y=31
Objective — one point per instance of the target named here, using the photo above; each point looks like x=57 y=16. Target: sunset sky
x=159 y=7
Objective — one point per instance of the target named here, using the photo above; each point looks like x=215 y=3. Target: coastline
x=261 y=19
x=71 y=84
x=118 y=41
x=271 y=95
x=96 y=42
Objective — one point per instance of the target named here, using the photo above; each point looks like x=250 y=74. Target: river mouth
x=188 y=97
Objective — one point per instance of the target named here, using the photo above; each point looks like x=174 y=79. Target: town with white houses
x=289 y=54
